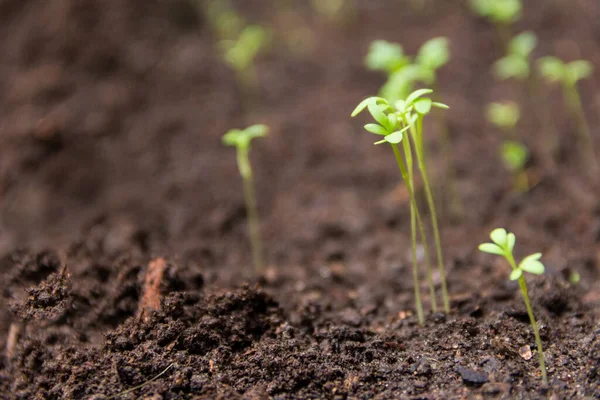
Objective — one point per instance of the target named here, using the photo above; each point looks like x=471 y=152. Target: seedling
x=241 y=53
x=386 y=56
x=503 y=245
x=241 y=140
x=555 y=70
x=392 y=124
x=502 y=13
x=225 y=22
x=514 y=154
x=516 y=63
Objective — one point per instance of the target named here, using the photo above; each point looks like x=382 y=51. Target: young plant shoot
x=503 y=244
x=514 y=154
x=241 y=53
x=392 y=124
x=502 y=13
x=241 y=140
x=567 y=75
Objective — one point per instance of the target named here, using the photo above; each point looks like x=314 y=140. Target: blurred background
x=112 y=112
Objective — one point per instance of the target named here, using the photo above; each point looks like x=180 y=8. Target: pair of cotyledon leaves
x=503 y=245
x=389 y=118
x=241 y=137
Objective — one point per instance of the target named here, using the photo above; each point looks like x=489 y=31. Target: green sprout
x=393 y=124
x=502 y=13
x=386 y=56
x=241 y=53
x=555 y=70
x=503 y=245
x=514 y=154
x=241 y=140
x=516 y=64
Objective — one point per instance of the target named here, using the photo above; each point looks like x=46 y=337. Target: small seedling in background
x=502 y=13
x=392 y=124
x=386 y=56
x=514 y=154
x=516 y=63
x=241 y=140
x=224 y=20
x=567 y=75
x=241 y=53
x=503 y=245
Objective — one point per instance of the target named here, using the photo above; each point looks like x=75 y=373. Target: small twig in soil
x=142 y=385
x=151 y=297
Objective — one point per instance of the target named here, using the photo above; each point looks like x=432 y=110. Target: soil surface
x=124 y=259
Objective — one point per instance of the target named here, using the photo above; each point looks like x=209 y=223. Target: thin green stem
x=413 y=201
x=415 y=267
x=251 y=211
x=534 y=326
x=586 y=142
x=417 y=135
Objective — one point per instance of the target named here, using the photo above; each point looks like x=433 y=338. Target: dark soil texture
x=111 y=165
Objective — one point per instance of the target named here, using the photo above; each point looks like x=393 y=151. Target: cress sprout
x=241 y=138
x=513 y=152
x=503 y=245
x=394 y=123
x=241 y=52
x=567 y=75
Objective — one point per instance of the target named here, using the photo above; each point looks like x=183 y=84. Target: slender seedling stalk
x=503 y=245
x=241 y=140
x=555 y=70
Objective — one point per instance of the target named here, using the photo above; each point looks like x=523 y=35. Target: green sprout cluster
x=567 y=75
x=241 y=139
x=402 y=123
x=516 y=63
x=513 y=152
x=503 y=244
x=401 y=70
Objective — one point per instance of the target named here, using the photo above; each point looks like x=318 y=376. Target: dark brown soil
x=110 y=159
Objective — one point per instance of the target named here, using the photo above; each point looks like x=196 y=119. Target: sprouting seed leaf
x=385 y=56
x=423 y=106
x=510 y=241
x=231 y=138
x=360 y=107
x=376 y=129
x=434 y=53
x=499 y=236
x=437 y=104
x=523 y=44
x=515 y=274
x=552 y=68
x=579 y=69
x=378 y=115
x=241 y=138
x=416 y=94
x=503 y=115
x=491 y=248
x=395 y=137
x=512 y=66
x=258 y=130
x=514 y=155
x=533 y=267
x=532 y=264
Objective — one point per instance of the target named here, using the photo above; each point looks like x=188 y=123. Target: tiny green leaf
x=579 y=69
x=395 y=137
x=422 y=106
x=510 y=241
x=503 y=115
x=376 y=129
x=499 y=236
x=533 y=267
x=515 y=274
x=523 y=44
x=378 y=115
x=360 y=107
x=511 y=66
x=386 y=56
x=514 y=155
x=416 y=94
x=552 y=68
x=491 y=248
x=434 y=53
x=437 y=104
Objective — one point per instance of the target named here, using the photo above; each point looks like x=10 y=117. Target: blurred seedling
x=517 y=65
x=240 y=54
x=223 y=19
x=514 y=154
x=241 y=139
x=567 y=75
x=392 y=124
x=503 y=244
x=502 y=13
